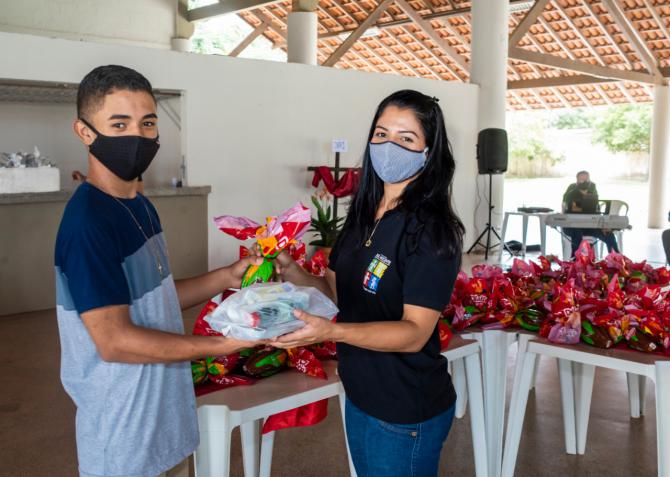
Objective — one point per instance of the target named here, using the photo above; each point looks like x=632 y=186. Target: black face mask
x=126 y=156
x=583 y=185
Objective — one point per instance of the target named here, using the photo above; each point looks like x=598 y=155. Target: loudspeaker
x=492 y=151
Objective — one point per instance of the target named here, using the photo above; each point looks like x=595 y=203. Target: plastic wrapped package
x=265 y=310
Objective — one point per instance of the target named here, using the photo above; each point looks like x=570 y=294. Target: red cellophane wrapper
x=275 y=235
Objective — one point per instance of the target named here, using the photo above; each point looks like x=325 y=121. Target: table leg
x=458 y=376
x=502 y=236
x=516 y=414
x=494 y=345
x=524 y=235
x=342 y=398
x=250 y=432
x=543 y=236
x=663 y=417
x=474 y=381
x=212 y=457
x=633 y=394
x=565 y=376
x=584 y=375
x=267 y=446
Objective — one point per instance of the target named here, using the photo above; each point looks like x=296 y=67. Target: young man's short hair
x=103 y=80
x=583 y=173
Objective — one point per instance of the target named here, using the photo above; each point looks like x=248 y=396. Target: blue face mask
x=393 y=163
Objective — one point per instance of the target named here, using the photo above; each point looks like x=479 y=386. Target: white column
x=302 y=37
x=488 y=69
x=659 y=159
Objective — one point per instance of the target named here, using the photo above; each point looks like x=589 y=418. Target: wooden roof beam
x=443 y=14
x=633 y=36
x=258 y=31
x=579 y=66
x=611 y=39
x=356 y=34
x=657 y=18
x=528 y=20
x=225 y=7
x=428 y=29
x=553 y=82
x=437 y=58
x=579 y=33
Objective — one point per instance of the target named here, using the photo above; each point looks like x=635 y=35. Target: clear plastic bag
x=265 y=310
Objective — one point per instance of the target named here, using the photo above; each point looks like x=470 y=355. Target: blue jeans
x=383 y=449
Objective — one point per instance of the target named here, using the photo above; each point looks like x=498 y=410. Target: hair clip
x=436 y=99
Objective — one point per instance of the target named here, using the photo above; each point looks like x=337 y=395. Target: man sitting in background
x=581 y=197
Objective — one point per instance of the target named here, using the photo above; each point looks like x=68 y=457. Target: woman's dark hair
x=428 y=197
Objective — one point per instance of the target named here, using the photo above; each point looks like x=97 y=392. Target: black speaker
x=492 y=151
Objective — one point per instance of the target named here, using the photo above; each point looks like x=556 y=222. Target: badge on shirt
x=375 y=272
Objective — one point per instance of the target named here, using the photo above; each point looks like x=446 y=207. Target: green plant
x=625 y=129
x=325 y=225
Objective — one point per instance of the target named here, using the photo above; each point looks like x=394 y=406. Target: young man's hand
x=237 y=270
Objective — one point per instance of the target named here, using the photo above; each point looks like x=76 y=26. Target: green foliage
x=624 y=128
x=325 y=225
x=528 y=154
x=574 y=119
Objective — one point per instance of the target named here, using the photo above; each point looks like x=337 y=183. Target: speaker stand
x=488 y=230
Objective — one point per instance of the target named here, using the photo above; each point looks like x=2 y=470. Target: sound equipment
x=492 y=151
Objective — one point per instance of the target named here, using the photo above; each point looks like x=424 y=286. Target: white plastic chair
x=576 y=366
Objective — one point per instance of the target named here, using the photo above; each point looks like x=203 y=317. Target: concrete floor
x=37 y=422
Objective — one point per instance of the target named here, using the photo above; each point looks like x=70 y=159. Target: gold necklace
x=154 y=251
x=368 y=242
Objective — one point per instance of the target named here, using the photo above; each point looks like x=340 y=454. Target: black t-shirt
x=373 y=283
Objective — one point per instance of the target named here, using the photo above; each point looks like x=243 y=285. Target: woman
x=392 y=271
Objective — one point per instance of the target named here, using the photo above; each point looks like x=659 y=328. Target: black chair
x=665 y=237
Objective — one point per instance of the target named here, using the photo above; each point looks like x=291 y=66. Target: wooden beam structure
x=258 y=31
x=559 y=81
x=579 y=66
x=603 y=27
x=225 y=7
x=428 y=29
x=528 y=20
x=459 y=12
x=356 y=34
x=633 y=37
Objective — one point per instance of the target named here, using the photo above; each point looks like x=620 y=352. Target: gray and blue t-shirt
x=133 y=420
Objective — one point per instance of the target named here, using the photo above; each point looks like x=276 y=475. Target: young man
x=581 y=197
x=125 y=359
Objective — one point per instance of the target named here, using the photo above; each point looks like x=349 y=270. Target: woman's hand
x=282 y=262
x=316 y=330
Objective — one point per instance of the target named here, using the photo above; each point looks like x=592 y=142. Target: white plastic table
x=541 y=216
x=494 y=350
x=576 y=365
x=246 y=406
x=466 y=353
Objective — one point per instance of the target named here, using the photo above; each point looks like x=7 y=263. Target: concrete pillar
x=302 y=32
x=488 y=69
x=659 y=160
x=183 y=29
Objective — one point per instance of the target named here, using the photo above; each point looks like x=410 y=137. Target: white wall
x=49 y=127
x=251 y=127
x=146 y=22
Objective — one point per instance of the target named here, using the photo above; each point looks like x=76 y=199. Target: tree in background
x=625 y=129
x=528 y=155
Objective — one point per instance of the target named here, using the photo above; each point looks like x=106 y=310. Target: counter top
x=64 y=195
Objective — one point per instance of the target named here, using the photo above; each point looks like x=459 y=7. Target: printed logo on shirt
x=375 y=272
